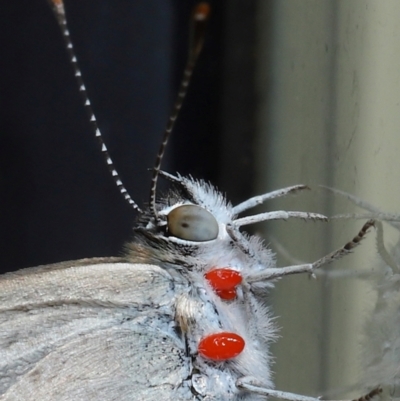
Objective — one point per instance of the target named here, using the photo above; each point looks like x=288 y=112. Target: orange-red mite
x=224 y=282
x=221 y=346
x=227 y=295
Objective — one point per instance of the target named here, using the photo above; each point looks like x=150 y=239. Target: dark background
x=57 y=199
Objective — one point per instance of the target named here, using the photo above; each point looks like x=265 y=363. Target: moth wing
x=89 y=331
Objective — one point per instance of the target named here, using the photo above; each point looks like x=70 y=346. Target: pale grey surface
x=334 y=92
x=79 y=333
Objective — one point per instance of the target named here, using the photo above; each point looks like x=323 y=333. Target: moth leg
x=383 y=252
x=376 y=213
x=258 y=200
x=278 y=215
x=253 y=385
x=274 y=273
x=370 y=395
x=240 y=241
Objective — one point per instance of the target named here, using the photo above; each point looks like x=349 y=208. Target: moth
x=182 y=316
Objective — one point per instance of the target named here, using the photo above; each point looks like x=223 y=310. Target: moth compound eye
x=192 y=223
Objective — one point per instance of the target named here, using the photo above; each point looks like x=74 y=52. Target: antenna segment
x=200 y=16
x=59 y=11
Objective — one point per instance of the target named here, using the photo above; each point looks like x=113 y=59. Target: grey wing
x=90 y=332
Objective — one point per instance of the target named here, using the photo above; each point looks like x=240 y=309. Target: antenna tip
x=201 y=12
x=58 y=8
x=56 y=3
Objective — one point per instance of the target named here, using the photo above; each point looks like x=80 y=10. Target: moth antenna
x=59 y=11
x=199 y=19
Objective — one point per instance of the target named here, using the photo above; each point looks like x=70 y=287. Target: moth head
x=191 y=217
x=192 y=212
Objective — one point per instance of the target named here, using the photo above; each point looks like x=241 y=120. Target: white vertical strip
x=329 y=114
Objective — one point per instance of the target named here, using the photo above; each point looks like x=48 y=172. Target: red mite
x=224 y=282
x=221 y=346
x=225 y=345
